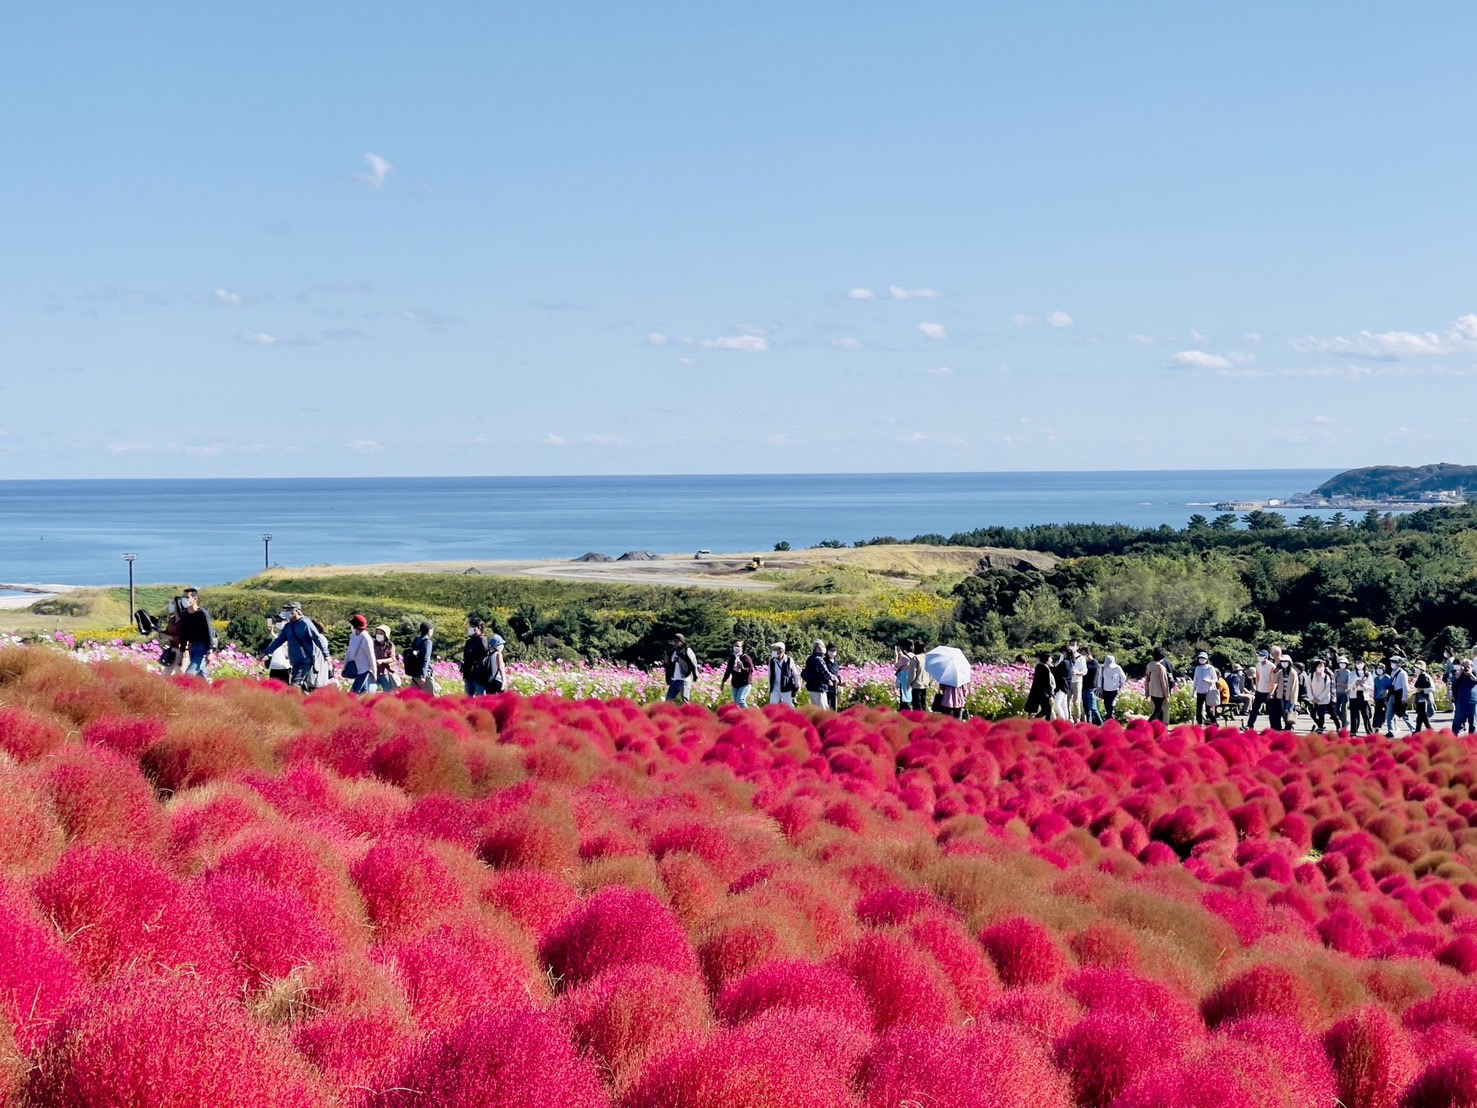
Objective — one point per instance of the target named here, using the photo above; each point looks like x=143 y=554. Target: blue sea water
x=208 y=531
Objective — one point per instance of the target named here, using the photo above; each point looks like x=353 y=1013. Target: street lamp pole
x=132 y=603
x=266 y=551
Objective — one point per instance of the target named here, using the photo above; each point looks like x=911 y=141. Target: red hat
x=359 y=622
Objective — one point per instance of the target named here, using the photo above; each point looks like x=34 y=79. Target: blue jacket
x=1464 y=688
x=302 y=639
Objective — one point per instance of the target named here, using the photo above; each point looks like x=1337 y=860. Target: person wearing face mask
x=359 y=664
x=1464 y=698
x=1111 y=680
x=196 y=632
x=384 y=660
x=1261 y=688
x=1343 y=691
x=738 y=671
x=306 y=645
x=1320 y=694
x=902 y=671
x=1381 y=686
x=1361 y=692
x=1285 y=688
x=833 y=667
x=1205 y=679
x=1424 y=699
x=784 y=678
x=1399 y=697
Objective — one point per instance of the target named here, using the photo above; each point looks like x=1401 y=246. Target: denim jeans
x=677 y=690
x=741 y=695
x=1089 y=706
x=1393 y=703
x=198 y=651
x=361 y=683
x=474 y=688
x=1464 y=714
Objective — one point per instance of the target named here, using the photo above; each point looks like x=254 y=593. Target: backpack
x=415 y=660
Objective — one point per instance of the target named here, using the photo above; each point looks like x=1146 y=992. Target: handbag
x=351 y=670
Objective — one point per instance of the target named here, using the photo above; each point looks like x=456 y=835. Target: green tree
x=1226 y=521
x=1264 y=521
x=1309 y=523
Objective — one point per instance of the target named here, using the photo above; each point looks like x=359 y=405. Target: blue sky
x=288 y=239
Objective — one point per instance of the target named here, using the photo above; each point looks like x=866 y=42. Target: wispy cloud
x=862 y=294
x=561 y=305
x=228 y=298
x=897 y=292
x=1021 y=319
x=378 y=170
x=430 y=320
x=1391 y=346
x=366 y=446
x=656 y=338
x=343 y=334
x=934 y=330
x=1141 y=338
x=129 y=298
x=847 y=342
x=552 y=439
x=265 y=338
x=1199 y=359
x=939 y=371
x=1059 y=319
x=753 y=343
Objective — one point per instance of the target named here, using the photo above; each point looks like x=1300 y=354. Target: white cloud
x=1324 y=419
x=1141 y=338
x=259 y=338
x=1196 y=336
x=1020 y=319
x=656 y=338
x=227 y=297
x=552 y=439
x=430 y=320
x=379 y=169
x=1199 y=359
x=753 y=343
x=862 y=294
x=1391 y=346
x=933 y=330
x=915 y=438
x=687 y=361
x=897 y=292
x=849 y=343
x=602 y=440
x=366 y=446
x=1059 y=319
x=939 y=371
x=1252 y=336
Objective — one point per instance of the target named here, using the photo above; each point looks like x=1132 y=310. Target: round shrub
x=618 y=926
x=628 y=1014
x=1024 y=952
x=793 y=983
x=990 y=1066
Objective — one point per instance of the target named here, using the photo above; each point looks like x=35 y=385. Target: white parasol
x=947 y=665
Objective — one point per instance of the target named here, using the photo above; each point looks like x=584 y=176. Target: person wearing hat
x=1398 y=698
x=305 y=644
x=1361 y=698
x=1320 y=691
x=279 y=666
x=1206 y=681
x=359 y=664
x=1111 y=680
x=384 y=660
x=1261 y=687
x=1343 y=691
x=784 y=678
x=497 y=670
x=681 y=669
x=817 y=676
x=1425 y=698
x=474 y=659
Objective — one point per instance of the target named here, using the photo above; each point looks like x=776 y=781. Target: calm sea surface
x=207 y=532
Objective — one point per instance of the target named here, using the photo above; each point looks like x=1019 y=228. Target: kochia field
x=230 y=895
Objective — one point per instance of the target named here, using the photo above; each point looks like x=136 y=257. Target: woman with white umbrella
x=950 y=668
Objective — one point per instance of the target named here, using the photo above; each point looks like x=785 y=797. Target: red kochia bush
x=902 y=984
x=793 y=983
x=1371 y=1056
x=459 y=970
x=119 y=909
x=1263 y=990
x=269 y=932
x=618 y=926
x=1024 y=952
x=26 y=737
x=103 y=797
x=1450 y=1082
x=129 y=736
x=156 y=1042
x=37 y=975
x=511 y=1059
x=990 y=1066
x=407 y=886
x=1106 y=1051
x=629 y=1013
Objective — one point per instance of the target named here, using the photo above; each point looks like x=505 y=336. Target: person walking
x=1261 y=689
x=784 y=679
x=738 y=671
x=1076 y=704
x=953 y=698
x=196 y=632
x=420 y=659
x=279 y=665
x=1205 y=678
x=902 y=671
x=1343 y=692
x=833 y=666
x=359 y=664
x=1424 y=699
x=918 y=678
x=1285 y=693
x=474 y=658
x=171 y=656
x=305 y=645
x=681 y=670
x=1038 y=696
x=1157 y=685
x=1090 y=710
x=496 y=665
x=1399 y=698
x=1464 y=698
x=1361 y=697
x=1061 y=679
x=1320 y=685
x=1381 y=686
x=1111 y=681
x=384 y=660
x=817 y=676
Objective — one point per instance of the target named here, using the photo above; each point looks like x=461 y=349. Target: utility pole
x=266 y=551
x=132 y=603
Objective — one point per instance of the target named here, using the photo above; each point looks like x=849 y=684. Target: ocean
x=208 y=532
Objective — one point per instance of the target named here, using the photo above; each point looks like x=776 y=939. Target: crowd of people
x=1071 y=684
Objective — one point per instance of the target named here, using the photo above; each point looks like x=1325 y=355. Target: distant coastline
x=1377 y=488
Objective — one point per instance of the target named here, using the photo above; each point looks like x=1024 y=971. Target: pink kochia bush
x=229 y=894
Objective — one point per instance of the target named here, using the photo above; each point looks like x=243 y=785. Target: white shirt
x=1205 y=677
x=1079 y=667
x=360 y=652
x=1320 y=687
x=1264 y=671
